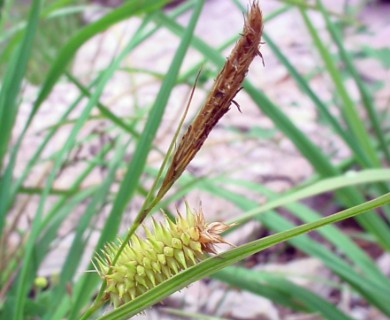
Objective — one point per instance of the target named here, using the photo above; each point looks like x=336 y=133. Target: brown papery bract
x=225 y=88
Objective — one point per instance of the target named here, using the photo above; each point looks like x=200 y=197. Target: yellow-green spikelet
x=169 y=249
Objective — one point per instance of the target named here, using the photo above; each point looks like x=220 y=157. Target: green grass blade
x=13 y=79
x=58 y=67
x=369 y=284
x=103 y=109
x=9 y=102
x=321 y=163
x=136 y=166
x=340 y=240
x=368 y=287
x=79 y=242
x=348 y=107
x=366 y=98
x=214 y=264
x=63 y=207
x=58 y=213
x=308 y=149
x=67 y=53
x=323 y=109
x=304 y=5
x=312 y=153
x=25 y=277
x=330 y=184
x=283 y=291
x=310 y=93
x=34 y=158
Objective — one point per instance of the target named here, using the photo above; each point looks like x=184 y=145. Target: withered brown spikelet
x=226 y=86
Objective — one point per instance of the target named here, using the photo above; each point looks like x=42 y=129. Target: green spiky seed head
x=168 y=249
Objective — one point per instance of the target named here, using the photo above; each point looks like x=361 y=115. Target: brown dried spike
x=226 y=86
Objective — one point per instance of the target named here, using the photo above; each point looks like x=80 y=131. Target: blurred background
x=85 y=124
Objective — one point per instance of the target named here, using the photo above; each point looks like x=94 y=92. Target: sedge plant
x=135 y=272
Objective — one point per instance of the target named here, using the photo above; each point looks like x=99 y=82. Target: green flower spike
x=169 y=249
